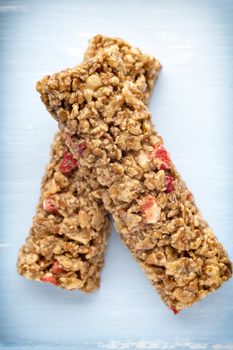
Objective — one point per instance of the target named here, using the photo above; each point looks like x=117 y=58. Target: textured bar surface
x=66 y=199
x=68 y=237
x=141 y=68
x=129 y=168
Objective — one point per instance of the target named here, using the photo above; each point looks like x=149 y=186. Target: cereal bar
x=70 y=229
x=69 y=233
x=129 y=168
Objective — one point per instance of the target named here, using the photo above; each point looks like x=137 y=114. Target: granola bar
x=70 y=229
x=128 y=166
x=68 y=237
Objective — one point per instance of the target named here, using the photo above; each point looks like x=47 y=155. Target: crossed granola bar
x=99 y=107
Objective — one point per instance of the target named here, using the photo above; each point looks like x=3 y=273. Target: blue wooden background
x=192 y=108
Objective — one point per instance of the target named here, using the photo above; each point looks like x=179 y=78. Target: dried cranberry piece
x=159 y=152
x=50 y=279
x=49 y=206
x=150 y=209
x=56 y=268
x=169 y=184
x=174 y=310
x=68 y=163
x=190 y=197
x=81 y=147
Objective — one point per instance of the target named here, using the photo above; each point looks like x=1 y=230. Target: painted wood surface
x=192 y=108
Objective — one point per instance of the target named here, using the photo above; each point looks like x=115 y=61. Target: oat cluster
x=100 y=109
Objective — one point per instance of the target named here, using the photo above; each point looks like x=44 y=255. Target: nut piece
x=93 y=82
x=31 y=258
x=183 y=270
x=126 y=191
x=143 y=159
x=156 y=258
x=88 y=93
x=155 y=181
x=132 y=220
x=83 y=218
x=71 y=283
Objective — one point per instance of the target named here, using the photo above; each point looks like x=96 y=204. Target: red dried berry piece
x=150 y=209
x=159 y=152
x=68 y=163
x=147 y=202
x=189 y=197
x=174 y=310
x=56 y=268
x=49 y=278
x=169 y=184
x=81 y=147
x=49 y=206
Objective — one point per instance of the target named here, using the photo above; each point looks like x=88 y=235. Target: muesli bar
x=126 y=163
x=69 y=234
x=61 y=250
